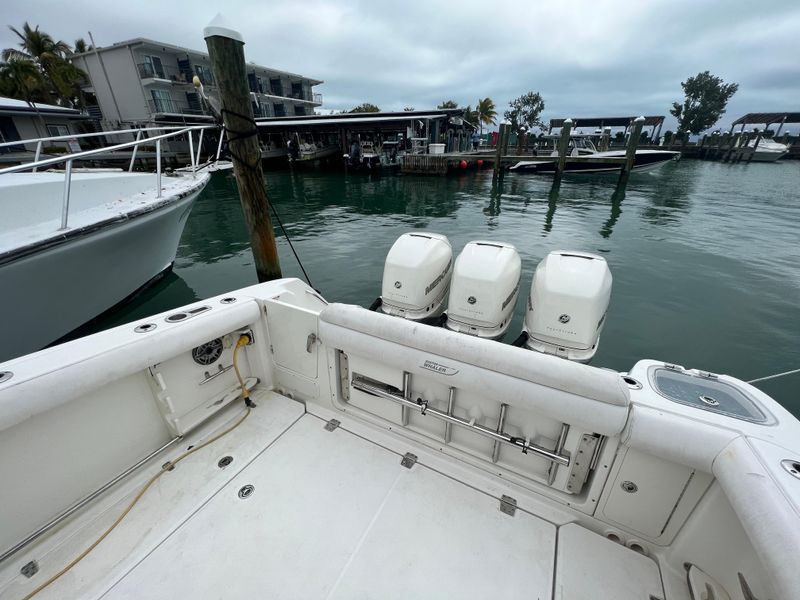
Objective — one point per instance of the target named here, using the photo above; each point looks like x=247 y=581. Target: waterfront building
x=144 y=82
x=20 y=120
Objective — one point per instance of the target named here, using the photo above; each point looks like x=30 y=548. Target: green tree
x=486 y=112
x=447 y=104
x=21 y=79
x=81 y=46
x=523 y=113
x=366 y=107
x=50 y=57
x=705 y=99
x=471 y=116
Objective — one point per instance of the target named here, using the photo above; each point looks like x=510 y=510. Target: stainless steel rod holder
x=448 y=426
x=382 y=391
x=500 y=424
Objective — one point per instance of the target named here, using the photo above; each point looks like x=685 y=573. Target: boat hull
x=767 y=156
x=57 y=289
x=645 y=161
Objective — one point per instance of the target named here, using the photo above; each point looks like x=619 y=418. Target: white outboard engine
x=416 y=276
x=484 y=289
x=567 y=307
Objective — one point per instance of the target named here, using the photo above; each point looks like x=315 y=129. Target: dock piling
x=500 y=152
x=630 y=150
x=226 y=51
x=563 y=146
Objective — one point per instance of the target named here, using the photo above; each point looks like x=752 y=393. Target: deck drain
x=145 y=327
x=629 y=487
x=224 y=461
x=246 y=491
x=228 y=300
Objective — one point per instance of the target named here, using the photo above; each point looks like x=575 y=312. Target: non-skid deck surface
x=335 y=516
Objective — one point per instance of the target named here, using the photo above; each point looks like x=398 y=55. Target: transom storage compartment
x=484 y=289
x=416 y=276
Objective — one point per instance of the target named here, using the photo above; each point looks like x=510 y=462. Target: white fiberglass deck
x=32 y=202
x=333 y=515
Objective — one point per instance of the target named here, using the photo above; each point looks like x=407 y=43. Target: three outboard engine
x=416 y=276
x=570 y=293
x=566 y=310
x=484 y=289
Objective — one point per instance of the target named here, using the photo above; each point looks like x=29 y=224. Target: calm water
x=705 y=256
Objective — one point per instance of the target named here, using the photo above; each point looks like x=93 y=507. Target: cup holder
x=632 y=383
x=145 y=327
x=177 y=317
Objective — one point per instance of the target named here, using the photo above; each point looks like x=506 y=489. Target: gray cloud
x=587 y=58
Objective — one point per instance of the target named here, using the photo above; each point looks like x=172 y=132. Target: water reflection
x=616 y=210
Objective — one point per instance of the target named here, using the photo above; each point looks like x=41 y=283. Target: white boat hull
x=57 y=289
x=767 y=155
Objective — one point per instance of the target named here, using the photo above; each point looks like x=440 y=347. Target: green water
x=705 y=256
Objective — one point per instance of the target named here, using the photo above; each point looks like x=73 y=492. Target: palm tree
x=81 y=46
x=486 y=112
x=49 y=56
x=448 y=104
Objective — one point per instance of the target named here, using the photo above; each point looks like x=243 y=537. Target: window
x=205 y=74
x=297 y=90
x=54 y=130
x=276 y=87
x=162 y=101
x=300 y=110
x=280 y=111
x=152 y=67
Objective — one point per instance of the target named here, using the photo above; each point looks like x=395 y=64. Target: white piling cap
x=567 y=121
x=639 y=120
x=221 y=26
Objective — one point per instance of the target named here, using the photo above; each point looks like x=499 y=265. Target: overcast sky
x=586 y=58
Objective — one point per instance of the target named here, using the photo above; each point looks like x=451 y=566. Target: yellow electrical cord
x=167 y=466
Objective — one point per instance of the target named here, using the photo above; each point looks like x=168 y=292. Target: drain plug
x=246 y=491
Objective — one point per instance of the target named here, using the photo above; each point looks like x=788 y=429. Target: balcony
x=317 y=98
x=173 y=107
x=162 y=73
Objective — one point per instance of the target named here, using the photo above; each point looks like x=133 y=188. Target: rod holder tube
x=65 y=201
x=199 y=148
x=407 y=396
x=562 y=440
x=500 y=424
x=381 y=391
x=448 y=426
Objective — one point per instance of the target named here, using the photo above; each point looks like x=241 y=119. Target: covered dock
x=766 y=119
x=654 y=122
x=414 y=129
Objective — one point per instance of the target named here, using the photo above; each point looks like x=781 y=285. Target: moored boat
x=582 y=146
x=75 y=244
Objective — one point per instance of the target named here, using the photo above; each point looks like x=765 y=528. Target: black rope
x=241 y=135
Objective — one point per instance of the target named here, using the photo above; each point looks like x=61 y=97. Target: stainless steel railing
x=68 y=159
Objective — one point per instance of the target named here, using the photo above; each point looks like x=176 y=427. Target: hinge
x=581 y=463
x=409 y=460
x=508 y=505
x=344 y=376
x=30 y=569
x=332 y=424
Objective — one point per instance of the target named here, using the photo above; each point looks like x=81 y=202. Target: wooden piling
x=226 y=52
x=630 y=150
x=563 y=145
x=500 y=151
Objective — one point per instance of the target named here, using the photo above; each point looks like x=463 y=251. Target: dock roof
x=351 y=119
x=607 y=121
x=767 y=118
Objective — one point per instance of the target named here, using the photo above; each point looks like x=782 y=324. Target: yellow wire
x=168 y=466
